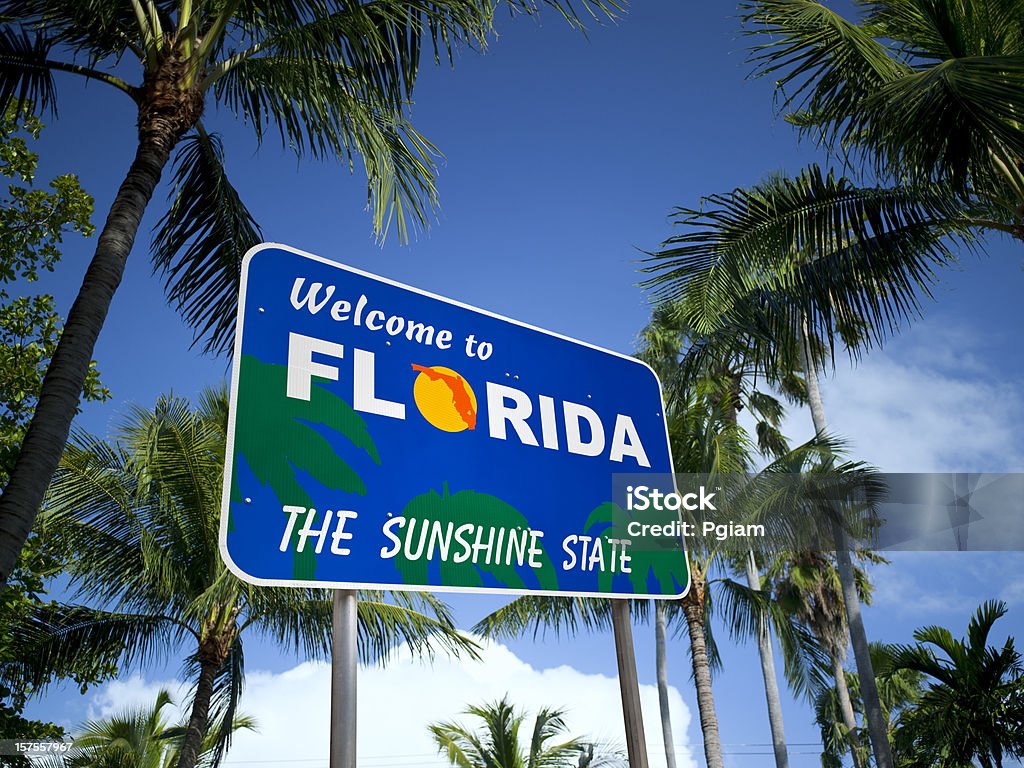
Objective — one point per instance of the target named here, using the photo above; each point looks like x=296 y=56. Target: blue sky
x=564 y=156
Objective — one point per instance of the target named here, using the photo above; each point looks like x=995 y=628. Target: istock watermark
x=641 y=497
x=781 y=511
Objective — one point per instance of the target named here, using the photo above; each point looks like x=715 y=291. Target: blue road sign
x=384 y=437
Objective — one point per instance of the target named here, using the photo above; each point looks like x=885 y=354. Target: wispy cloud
x=929 y=402
x=946 y=584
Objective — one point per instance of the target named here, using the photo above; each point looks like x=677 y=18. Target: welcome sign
x=383 y=437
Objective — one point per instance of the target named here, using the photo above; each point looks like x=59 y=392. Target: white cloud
x=396 y=703
x=927 y=403
x=135 y=692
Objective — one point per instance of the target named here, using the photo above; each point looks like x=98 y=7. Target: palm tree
x=139 y=519
x=332 y=78
x=728 y=382
x=928 y=93
x=705 y=439
x=538 y=614
x=924 y=91
x=898 y=690
x=661 y=675
x=499 y=744
x=973 y=705
x=807 y=585
x=132 y=739
x=780 y=272
x=140 y=738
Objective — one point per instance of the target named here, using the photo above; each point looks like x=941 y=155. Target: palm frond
x=756 y=261
x=951 y=121
x=139 y=513
x=539 y=615
x=823 y=65
x=383 y=626
x=319 y=106
x=380 y=43
x=460 y=747
x=94 y=28
x=91 y=512
x=299 y=619
x=923 y=91
x=62 y=640
x=26 y=81
x=595 y=10
x=199 y=242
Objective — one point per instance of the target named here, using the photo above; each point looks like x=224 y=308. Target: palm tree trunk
x=877 y=728
x=65 y=377
x=771 y=684
x=199 y=720
x=661 y=663
x=846 y=709
x=693 y=610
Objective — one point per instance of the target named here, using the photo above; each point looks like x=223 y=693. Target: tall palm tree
x=928 y=93
x=973 y=705
x=499 y=744
x=332 y=78
x=661 y=677
x=786 y=269
x=852 y=597
x=807 y=585
x=771 y=684
x=706 y=440
x=728 y=379
x=139 y=519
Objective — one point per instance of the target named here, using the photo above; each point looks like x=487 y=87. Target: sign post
x=344 y=666
x=629 y=685
x=383 y=437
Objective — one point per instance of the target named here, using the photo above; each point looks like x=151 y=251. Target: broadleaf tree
x=34 y=219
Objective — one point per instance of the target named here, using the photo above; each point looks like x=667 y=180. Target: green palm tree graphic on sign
x=278 y=437
x=662 y=558
x=457 y=509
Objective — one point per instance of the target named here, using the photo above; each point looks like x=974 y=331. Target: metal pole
x=629 y=686
x=344 y=661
